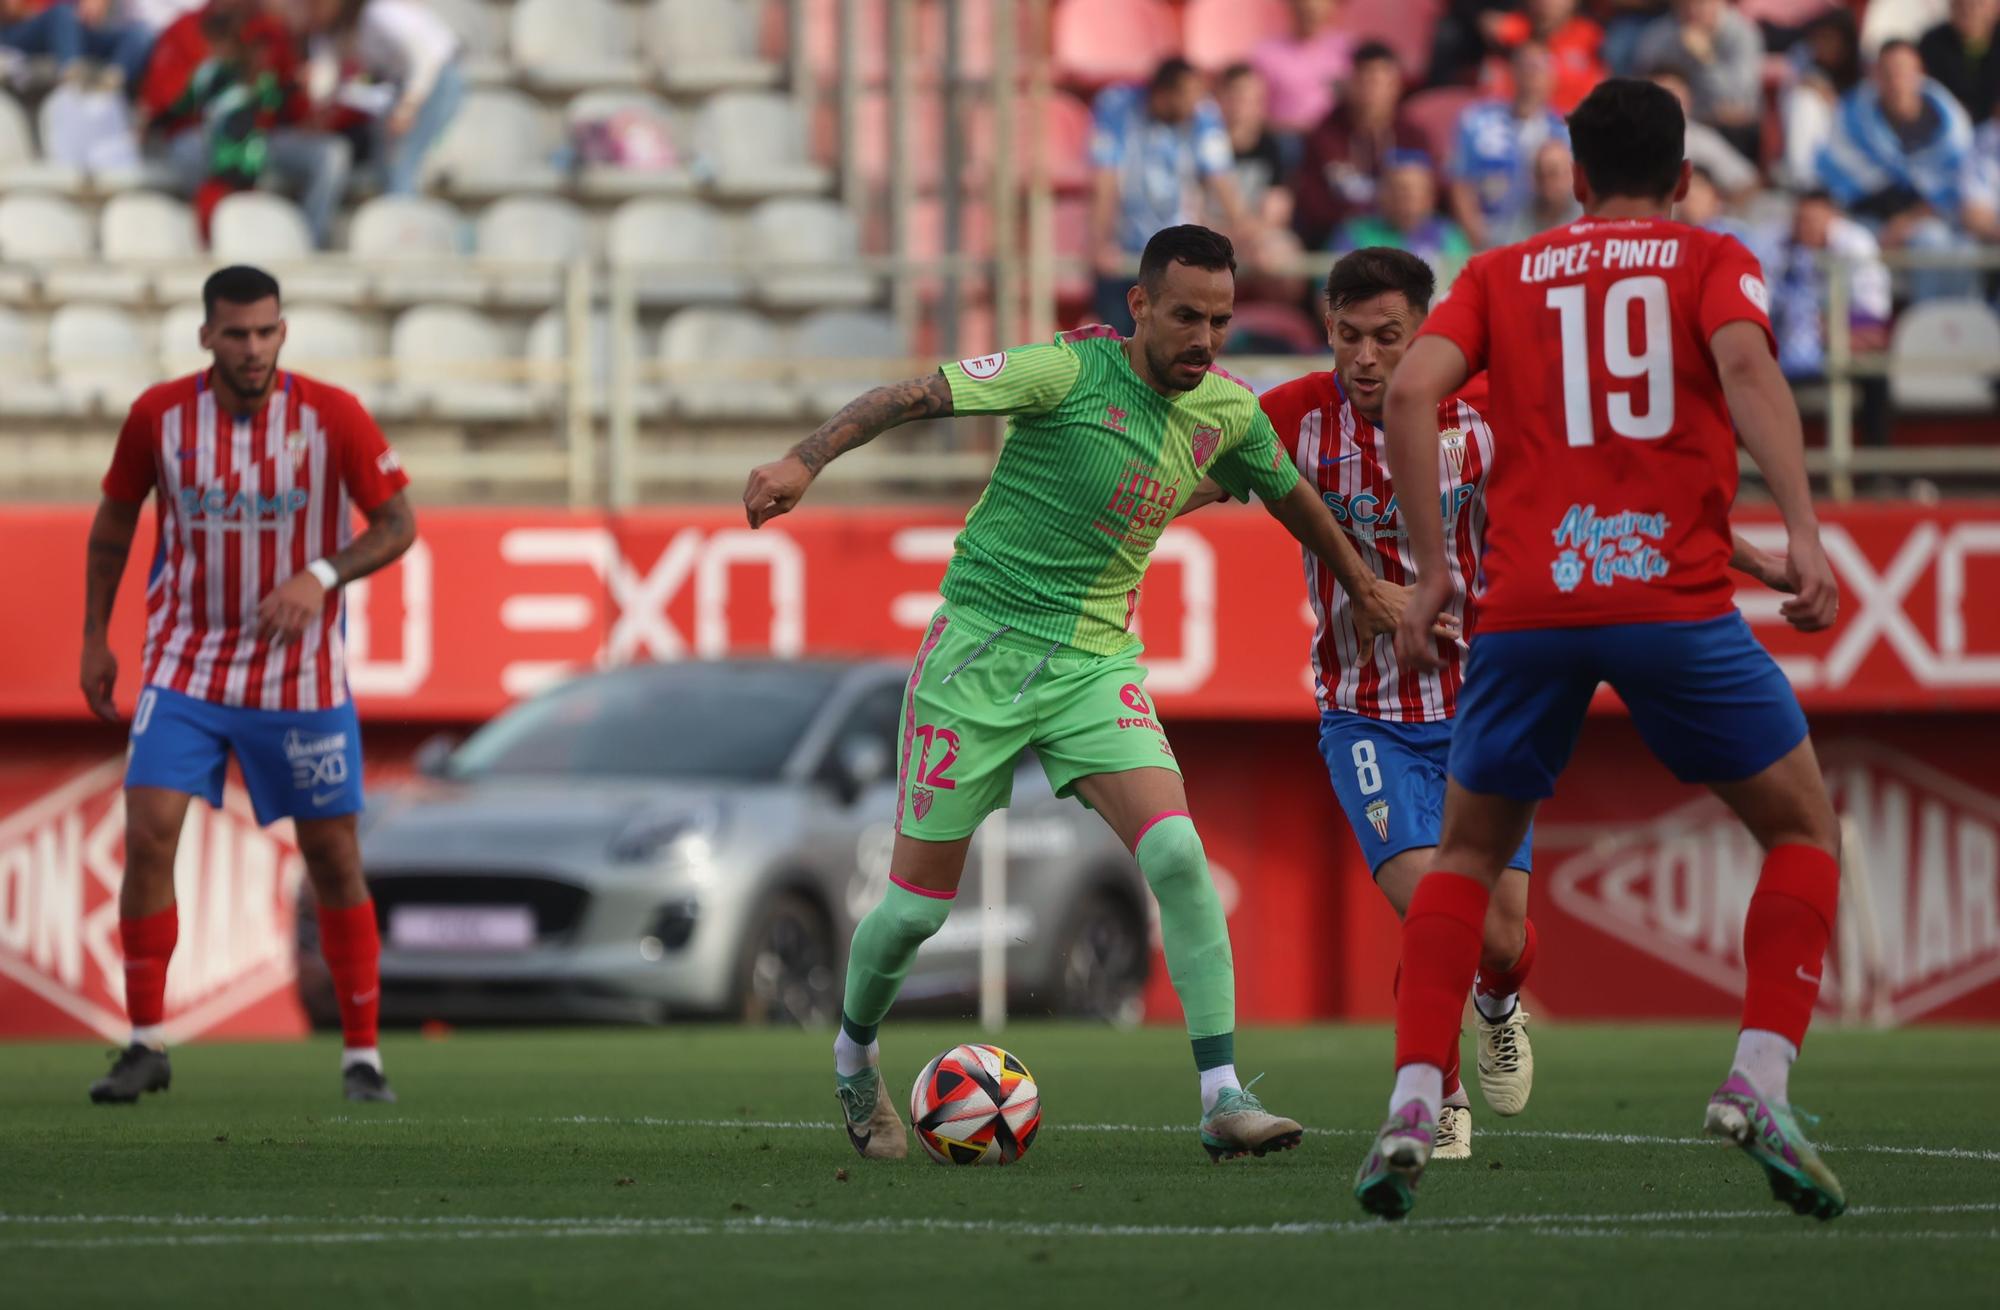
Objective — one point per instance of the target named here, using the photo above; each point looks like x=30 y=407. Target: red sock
x=1785 y=936
x=1441 y=939
x=353 y=951
x=1451 y=1081
x=148 y=944
x=1509 y=979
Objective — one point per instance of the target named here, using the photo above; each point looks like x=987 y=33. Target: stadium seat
x=450 y=360
x=336 y=344
x=257 y=227
x=419 y=242
x=1954 y=346
x=1098 y=42
x=706 y=45
x=723 y=364
x=674 y=251
x=21 y=162
x=843 y=352
x=179 y=343
x=1434 y=116
x=484 y=32
x=804 y=252
x=616 y=181
x=1064 y=134
x=99 y=356
x=1219 y=33
x=147 y=225
x=36 y=227
x=533 y=236
x=500 y=142
x=548 y=351
x=28 y=393
x=573 y=45
x=751 y=143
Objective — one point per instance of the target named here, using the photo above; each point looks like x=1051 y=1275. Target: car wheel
x=788 y=967
x=1103 y=961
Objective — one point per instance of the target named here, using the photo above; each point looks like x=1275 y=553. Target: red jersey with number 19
x=245 y=503
x=1610 y=503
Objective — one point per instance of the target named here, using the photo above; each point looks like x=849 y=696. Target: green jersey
x=1095 y=467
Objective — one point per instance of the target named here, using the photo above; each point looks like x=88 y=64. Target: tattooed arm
x=110 y=545
x=777 y=487
x=296 y=602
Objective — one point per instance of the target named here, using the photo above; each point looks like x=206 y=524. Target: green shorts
x=979 y=694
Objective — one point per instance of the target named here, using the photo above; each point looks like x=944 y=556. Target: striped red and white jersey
x=1344 y=456
x=245 y=503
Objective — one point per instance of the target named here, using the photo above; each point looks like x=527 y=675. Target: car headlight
x=682 y=838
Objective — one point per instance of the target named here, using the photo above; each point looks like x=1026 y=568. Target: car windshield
x=735 y=723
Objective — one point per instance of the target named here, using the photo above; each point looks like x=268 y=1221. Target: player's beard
x=239 y=381
x=1163 y=364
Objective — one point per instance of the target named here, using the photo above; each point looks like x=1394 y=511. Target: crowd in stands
x=229 y=94
x=1813 y=127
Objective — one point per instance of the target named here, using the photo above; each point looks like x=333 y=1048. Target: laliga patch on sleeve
x=984 y=368
x=1755 y=292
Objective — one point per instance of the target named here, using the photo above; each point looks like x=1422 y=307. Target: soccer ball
x=976 y=1104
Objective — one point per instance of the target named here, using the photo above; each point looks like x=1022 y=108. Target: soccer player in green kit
x=1033 y=648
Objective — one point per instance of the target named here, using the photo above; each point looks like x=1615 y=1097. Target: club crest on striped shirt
x=1453 y=441
x=295 y=446
x=1377 y=811
x=1206 y=439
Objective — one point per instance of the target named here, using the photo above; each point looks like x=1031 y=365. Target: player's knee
x=332 y=854
x=1172 y=858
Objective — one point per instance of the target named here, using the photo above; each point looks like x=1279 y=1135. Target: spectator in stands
x=1898 y=160
x=1340 y=172
x=1721 y=54
x=1625 y=25
x=1153 y=149
x=1798 y=302
x=1704 y=206
x=75 y=32
x=1708 y=148
x=1784 y=22
x=1962 y=55
x=1552 y=196
x=1497 y=141
x=1462 y=39
x=1409 y=218
x=1572 y=41
x=1302 y=69
x=1825 y=65
x=1263 y=167
x=410 y=52
x=1982 y=182
x=223 y=92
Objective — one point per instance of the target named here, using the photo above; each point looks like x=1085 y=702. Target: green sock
x=1195 y=934
x=885 y=942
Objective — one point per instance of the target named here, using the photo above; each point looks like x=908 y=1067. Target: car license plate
x=462 y=927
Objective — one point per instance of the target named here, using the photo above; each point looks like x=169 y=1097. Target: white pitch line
x=817 y=1125
x=250 y=1229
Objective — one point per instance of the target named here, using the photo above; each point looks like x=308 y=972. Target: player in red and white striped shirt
x=258 y=474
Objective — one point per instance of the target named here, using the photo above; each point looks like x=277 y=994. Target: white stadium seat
x=28 y=392
x=529 y=239
x=705 y=343
x=805 y=252
x=573 y=44
x=673 y=251
x=825 y=342
x=21 y=162
x=706 y=45
x=147 y=226
x=37 y=227
x=336 y=344
x=256 y=227
x=1963 y=338
x=451 y=358
x=422 y=242
x=99 y=356
x=500 y=141
x=753 y=143
x=548 y=349
x=180 y=340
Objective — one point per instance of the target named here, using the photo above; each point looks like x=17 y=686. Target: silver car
x=699 y=839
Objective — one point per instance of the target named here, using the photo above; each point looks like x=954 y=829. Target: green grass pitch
x=703 y=1167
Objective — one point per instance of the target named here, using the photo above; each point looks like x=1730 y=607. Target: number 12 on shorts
x=1652 y=358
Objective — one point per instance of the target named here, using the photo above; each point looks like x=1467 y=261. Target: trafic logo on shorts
x=317 y=761
x=1135 y=700
x=1377 y=811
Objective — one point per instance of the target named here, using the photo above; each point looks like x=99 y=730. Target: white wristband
x=324 y=571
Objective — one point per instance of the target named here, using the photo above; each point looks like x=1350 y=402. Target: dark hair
x=1817 y=195
x=1629 y=138
x=1168 y=73
x=239 y=284
x=1369 y=52
x=1233 y=72
x=1374 y=270
x=1190 y=244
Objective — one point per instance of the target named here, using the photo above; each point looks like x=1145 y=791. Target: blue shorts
x=298 y=764
x=1390 y=780
x=1709 y=701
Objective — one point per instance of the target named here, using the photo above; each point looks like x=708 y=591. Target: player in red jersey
x=258 y=472
x=1606 y=548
